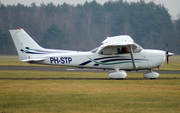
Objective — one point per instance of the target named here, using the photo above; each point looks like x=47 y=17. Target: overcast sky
x=172 y=5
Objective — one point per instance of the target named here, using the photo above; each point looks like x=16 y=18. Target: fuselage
x=146 y=59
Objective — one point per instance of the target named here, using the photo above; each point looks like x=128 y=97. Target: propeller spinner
x=168 y=54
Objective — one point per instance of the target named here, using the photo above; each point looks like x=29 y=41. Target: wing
x=123 y=41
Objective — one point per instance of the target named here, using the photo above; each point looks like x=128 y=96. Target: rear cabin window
x=106 y=51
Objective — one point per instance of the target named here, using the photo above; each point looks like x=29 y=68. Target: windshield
x=136 y=48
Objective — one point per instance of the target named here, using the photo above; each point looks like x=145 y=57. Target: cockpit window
x=121 y=50
x=110 y=50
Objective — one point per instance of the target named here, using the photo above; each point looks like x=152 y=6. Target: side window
x=125 y=50
x=117 y=50
x=106 y=51
x=121 y=50
x=111 y=50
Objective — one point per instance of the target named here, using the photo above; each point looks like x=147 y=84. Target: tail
x=27 y=49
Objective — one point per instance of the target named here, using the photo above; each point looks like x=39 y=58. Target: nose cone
x=155 y=58
x=170 y=54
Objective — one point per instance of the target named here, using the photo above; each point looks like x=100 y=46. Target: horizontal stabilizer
x=33 y=60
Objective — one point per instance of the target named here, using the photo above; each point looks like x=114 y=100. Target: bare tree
x=126 y=27
x=108 y=24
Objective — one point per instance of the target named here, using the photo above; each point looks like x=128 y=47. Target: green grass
x=91 y=96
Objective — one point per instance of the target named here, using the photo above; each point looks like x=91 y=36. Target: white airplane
x=117 y=53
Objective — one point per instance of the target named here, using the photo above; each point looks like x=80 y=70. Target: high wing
x=121 y=41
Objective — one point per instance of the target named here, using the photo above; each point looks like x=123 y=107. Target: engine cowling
x=117 y=74
x=151 y=75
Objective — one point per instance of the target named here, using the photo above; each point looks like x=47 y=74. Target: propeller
x=168 y=54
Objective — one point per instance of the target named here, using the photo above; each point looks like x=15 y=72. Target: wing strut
x=132 y=57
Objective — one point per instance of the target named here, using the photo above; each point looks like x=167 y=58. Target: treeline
x=84 y=26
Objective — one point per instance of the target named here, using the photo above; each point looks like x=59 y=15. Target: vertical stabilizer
x=23 y=42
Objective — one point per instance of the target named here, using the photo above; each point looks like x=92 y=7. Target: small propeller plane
x=117 y=53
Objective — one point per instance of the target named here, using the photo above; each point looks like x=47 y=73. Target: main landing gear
x=151 y=75
x=120 y=74
x=117 y=74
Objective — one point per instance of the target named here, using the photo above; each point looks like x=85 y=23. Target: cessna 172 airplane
x=117 y=53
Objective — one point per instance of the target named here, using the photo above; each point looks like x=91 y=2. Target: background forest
x=85 y=26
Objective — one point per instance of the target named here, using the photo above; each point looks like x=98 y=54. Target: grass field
x=91 y=96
